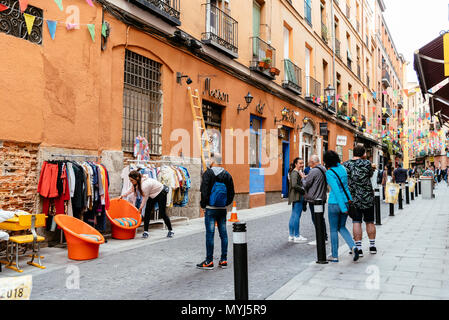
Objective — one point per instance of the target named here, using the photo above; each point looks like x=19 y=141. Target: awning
x=366 y=138
x=429 y=66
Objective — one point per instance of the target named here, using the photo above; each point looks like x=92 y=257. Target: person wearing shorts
x=360 y=171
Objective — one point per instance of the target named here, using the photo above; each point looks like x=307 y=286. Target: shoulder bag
x=351 y=208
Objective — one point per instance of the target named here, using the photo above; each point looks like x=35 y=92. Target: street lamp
x=248 y=99
x=329 y=92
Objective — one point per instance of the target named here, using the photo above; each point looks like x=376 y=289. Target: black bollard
x=383 y=192
x=320 y=232
x=391 y=209
x=407 y=193
x=419 y=185
x=377 y=205
x=412 y=194
x=416 y=190
x=400 y=197
x=240 y=261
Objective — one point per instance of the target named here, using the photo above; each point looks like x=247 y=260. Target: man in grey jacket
x=315 y=185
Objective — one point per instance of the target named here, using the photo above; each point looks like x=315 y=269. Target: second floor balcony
x=221 y=31
x=292 y=77
x=313 y=89
x=169 y=10
x=264 y=58
x=324 y=32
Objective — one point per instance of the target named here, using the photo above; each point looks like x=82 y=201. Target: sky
x=414 y=23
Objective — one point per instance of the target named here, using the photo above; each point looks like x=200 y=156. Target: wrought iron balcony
x=386 y=78
x=292 y=77
x=169 y=10
x=264 y=58
x=324 y=32
x=359 y=72
x=338 y=48
x=348 y=11
x=221 y=31
x=313 y=88
x=308 y=12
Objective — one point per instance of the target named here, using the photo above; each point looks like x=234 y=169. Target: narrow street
x=166 y=270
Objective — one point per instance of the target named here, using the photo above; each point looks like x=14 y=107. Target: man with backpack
x=315 y=184
x=217 y=192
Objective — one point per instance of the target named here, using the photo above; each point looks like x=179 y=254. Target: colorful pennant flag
x=3 y=7
x=52 y=28
x=29 y=20
x=59 y=3
x=91 y=28
x=23 y=5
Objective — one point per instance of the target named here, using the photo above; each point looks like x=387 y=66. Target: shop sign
x=431 y=159
x=214 y=93
x=342 y=140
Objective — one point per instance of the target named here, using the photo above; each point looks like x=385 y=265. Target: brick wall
x=18 y=175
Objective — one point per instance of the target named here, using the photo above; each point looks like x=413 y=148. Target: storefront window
x=340 y=152
x=255 y=142
x=212 y=119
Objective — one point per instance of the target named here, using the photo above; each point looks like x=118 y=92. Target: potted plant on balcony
x=265 y=63
x=275 y=71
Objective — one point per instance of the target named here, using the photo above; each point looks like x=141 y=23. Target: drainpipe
x=333 y=55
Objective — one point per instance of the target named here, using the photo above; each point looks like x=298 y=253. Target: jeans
x=293 y=225
x=161 y=201
x=312 y=211
x=337 y=224
x=210 y=217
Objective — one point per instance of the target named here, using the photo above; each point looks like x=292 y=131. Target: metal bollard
x=419 y=185
x=240 y=261
x=377 y=205
x=407 y=193
x=383 y=192
x=412 y=194
x=391 y=209
x=400 y=196
x=318 y=207
x=416 y=190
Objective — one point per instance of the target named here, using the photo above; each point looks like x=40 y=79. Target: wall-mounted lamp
x=284 y=114
x=248 y=98
x=305 y=121
x=179 y=77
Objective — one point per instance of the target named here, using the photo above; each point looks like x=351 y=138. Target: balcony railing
x=338 y=48
x=169 y=10
x=221 y=30
x=308 y=12
x=359 y=72
x=264 y=58
x=324 y=32
x=368 y=81
x=293 y=76
x=349 y=63
x=313 y=88
x=386 y=78
x=348 y=11
x=357 y=24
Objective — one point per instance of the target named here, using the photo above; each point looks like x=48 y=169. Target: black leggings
x=161 y=200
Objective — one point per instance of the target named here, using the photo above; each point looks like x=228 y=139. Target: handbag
x=352 y=210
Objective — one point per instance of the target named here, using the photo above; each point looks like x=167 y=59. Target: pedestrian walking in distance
x=315 y=185
x=338 y=204
x=217 y=192
x=296 y=194
x=360 y=172
x=152 y=192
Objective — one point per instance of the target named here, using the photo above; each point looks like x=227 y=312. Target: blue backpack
x=219 y=195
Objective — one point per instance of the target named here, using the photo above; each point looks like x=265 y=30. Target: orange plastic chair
x=83 y=241
x=125 y=219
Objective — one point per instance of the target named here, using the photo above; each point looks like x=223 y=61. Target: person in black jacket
x=215 y=175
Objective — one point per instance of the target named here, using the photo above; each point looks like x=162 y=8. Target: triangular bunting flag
x=3 y=7
x=71 y=26
x=91 y=28
x=23 y=5
x=59 y=3
x=89 y=2
x=52 y=28
x=104 y=29
x=29 y=20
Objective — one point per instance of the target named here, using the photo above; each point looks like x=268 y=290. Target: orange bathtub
x=125 y=219
x=83 y=241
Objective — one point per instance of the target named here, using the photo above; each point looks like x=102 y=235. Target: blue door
x=285 y=167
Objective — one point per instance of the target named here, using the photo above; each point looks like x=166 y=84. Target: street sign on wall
x=323 y=129
x=342 y=140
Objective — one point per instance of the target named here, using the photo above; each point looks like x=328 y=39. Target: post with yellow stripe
x=240 y=261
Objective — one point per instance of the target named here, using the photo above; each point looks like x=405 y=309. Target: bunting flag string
x=52 y=23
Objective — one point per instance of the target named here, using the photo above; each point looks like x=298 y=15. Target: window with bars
x=12 y=21
x=142 y=102
x=212 y=119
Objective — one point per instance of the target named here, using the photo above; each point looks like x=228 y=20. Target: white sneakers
x=301 y=239
x=291 y=239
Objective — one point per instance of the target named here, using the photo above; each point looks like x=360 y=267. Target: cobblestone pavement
x=164 y=269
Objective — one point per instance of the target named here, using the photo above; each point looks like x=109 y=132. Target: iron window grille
x=12 y=21
x=169 y=10
x=142 y=102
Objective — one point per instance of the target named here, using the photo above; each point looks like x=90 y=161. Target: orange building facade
x=93 y=94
